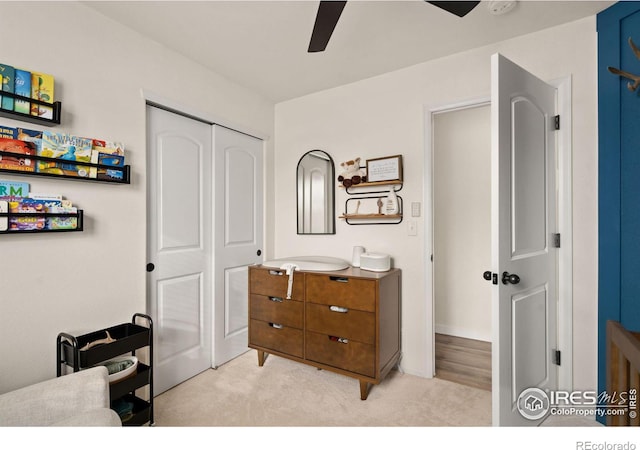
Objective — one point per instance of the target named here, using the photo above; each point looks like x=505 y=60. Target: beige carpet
x=286 y=393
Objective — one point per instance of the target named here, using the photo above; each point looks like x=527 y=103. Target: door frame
x=151 y=98
x=565 y=228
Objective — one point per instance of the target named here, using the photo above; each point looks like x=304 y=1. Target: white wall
x=462 y=222
x=80 y=282
x=384 y=116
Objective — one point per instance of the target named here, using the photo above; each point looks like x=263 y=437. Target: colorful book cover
x=7 y=132
x=66 y=148
x=26 y=223
x=42 y=86
x=61 y=223
x=8 y=74
x=26 y=135
x=23 y=88
x=110 y=154
x=22 y=150
x=13 y=188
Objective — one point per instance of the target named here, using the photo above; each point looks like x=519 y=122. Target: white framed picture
x=388 y=168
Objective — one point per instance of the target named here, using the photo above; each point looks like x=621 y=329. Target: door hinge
x=556 y=357
x=556 y=122
x=556 y=240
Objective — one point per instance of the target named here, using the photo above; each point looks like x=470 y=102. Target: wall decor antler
x=635 y=78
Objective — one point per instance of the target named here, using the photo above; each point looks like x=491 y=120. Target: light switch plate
x=415 y=209
x=412 y=228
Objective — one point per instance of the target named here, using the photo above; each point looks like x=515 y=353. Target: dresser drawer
x=352 y=324
x=352 y=356
x=349 y=292
x=269 y=335
x=273 y=282
x=276 y=309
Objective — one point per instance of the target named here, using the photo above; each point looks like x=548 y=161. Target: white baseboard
x=463 y=332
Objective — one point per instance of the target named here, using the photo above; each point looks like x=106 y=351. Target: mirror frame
x=331 y=178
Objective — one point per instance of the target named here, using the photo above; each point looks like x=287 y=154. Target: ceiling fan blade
x=460 y=9
x=326 y=20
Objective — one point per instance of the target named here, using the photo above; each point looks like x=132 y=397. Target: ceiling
x=262 y=45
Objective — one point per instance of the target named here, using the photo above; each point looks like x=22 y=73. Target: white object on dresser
x=375 y=262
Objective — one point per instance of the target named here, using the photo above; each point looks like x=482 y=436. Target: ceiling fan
x=329 y=12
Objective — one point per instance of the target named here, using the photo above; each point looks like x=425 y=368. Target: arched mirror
x=316 y=194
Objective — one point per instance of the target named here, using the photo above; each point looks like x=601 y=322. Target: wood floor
x=464 y=361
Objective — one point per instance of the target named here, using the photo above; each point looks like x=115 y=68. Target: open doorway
x=461 y=139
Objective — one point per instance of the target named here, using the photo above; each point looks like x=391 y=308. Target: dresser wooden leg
x=261 y=357
x=364 y=390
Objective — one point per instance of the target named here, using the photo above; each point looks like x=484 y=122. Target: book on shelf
x=13 y=189
x=22 y=88
x=7 y=132
x=27 y=135
x=42 y=88
x=68 y=149
x=39 y=196
x=26 y=223
x=107 y=153
x=30 y=205
x=8 y=74
x=22 y=150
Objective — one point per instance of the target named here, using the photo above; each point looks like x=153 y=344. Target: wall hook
x=635 y=78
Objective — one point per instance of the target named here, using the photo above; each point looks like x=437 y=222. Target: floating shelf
x=10 y=114
x=359 y=188
x=371 y=218
x=79 y=227
x=126 y=170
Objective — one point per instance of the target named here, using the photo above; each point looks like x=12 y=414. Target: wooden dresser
x=346 y=321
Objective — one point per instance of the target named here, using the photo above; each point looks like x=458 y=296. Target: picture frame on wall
x=388 y=168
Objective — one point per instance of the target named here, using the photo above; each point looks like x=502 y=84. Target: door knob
x=510 y=278
x=150 y=267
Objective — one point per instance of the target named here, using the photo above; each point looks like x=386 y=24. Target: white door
x=179 y=245
x=238 y=236
x=523 y=222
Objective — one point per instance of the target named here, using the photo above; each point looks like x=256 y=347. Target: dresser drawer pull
x=339 y=279
x=276 y=299
x=276 y=325
x=339 y=309
x=276 y=272
x=339 y=339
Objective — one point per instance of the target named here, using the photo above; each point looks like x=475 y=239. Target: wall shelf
x=125 y=171
x=371 y=218
x=10 y=114
x=359 y=189
x=45 y=216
